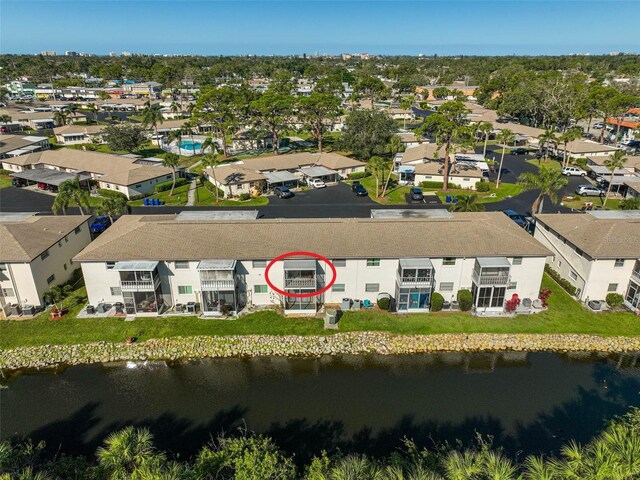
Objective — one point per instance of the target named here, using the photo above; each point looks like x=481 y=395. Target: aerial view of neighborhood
x=319 y=240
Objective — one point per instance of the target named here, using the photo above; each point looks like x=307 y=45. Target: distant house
x=586 y=148
x=247 y=139
x=78 y=134
x=148 y=89
x=408 y=139
x=16 y=145
x=401 y=113
x=37 y=254
x=427 y=92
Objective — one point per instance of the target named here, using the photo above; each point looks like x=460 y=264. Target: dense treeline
x=409 y=71
x=131 y=454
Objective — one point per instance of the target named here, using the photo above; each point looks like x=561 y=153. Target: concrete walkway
x=191 y=195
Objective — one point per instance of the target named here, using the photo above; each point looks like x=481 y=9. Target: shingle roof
x=597 y=237
x=587 y=146
x=9 y=143
x=22 y=241
x=162 y=237
x=233 y=174
x=293 y=161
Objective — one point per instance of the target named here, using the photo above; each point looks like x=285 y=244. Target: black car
x=283 y=192
x=519 y=151
x=359 y=189
x=416 y=194
x=18 y=182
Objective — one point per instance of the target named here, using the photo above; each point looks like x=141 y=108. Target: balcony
x=635 y=274
x=138 y=285
x=217 y=284
x=300 y=283
x=414 y=281
x=481 y=280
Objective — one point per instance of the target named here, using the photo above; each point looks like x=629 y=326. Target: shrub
x=5 y=172
x=432 y=184
x=164 y=186
x=614 y=300
x=465 y=300
x=245 y=196
x=384 y=303
x=580 y=162
x=544 y=295
x=103 y=192
x=565 y=284
x=92 y=147
x=358 y=175
x=483 y=187
x=436 y=302
x=511 y=304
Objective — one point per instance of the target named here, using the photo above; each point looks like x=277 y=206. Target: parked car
x=598 y=125
x=315 y=183
x=519 y=151
x=416 y=194
x=589 y=191
x=283 y=192
x=359 y=189
x=574 y=171
x=18 y=182
x=520 y=219
x=99 y=225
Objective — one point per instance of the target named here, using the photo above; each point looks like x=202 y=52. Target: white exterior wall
x=99 y=280
x=141 y=188
x=30 y=279
x=464 y=182
x=604 y=272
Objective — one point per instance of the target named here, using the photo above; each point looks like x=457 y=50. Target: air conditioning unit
x=595 y=305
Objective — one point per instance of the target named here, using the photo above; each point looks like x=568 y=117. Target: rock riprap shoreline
x=177 y=348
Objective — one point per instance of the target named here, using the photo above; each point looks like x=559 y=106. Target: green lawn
x=5 y=181
x=565 y=315
x=395 y=194
x=179 y=197
x=504 y=191
x=552 y=164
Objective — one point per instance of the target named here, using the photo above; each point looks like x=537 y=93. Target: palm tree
x=394 y=146
x=211 y=160
x=467 y=203
x=615 y=161
x=172 y=161
x=129 y=453
x=151 y=116
x=547 y=180
x=175 y=107
x=544 y=140
x=175 y=135
x=60 y=117
x=5 y=118
x=71 y=191
x=94 y=111
x=485 y=128
x=377 y=165
x=505 y=136
x=569 y=136
x=112 y=206
x=461 y=466
x=537 y=469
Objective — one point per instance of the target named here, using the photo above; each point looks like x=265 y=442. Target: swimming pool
x=191 y=146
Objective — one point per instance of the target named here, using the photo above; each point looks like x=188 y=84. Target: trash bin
x=90 y=309
x=346 y=304
x=191 y=307
x=357 y=304
x=102 y=308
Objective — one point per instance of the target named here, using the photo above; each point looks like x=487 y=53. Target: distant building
x=48 y=53
x=70 y=53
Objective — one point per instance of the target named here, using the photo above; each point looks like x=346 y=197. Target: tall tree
x=377 y=165
x=93 y=109
x=220 y=108
x=369 y=87
x=366 y=133
x=569 y=136
x=172 y=161
x=273 y=111
x=61 y=117
x=447 y=124
x=126 y=136
x=467 y=203
x=505 y=136
x=547 y=181
x=485 y=129
x=317 y=109
x=112 y=206
x=615 y=161
x=211 y=160
x=152 y=117
x=394 y=146
x=546 y=139
x=71 y=191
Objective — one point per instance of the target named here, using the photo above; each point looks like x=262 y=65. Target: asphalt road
x=335 y=201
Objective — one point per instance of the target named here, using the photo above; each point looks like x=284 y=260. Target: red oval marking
x=300 y=254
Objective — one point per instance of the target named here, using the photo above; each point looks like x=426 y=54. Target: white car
x=598 y=126
x=574 y=171
x=316 y=183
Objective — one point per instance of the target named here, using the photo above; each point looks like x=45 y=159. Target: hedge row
x=358 y=175
x=164 y=186
x=564 y=283
x=103 y=192
x=432 y=184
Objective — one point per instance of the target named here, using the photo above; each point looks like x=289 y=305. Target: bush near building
x=437 y=300
x=161 y=187
x=569 y=288
x=465 y=300
x=614 y=300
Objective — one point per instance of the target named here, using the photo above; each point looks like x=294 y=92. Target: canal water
x=531 y=403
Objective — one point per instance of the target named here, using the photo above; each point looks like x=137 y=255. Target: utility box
x=331 y=319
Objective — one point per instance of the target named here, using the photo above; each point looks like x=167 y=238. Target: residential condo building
x=159 y=263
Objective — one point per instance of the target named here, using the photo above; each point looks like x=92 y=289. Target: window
x=338 y=287
x=464 y=179
x=448 y=261
x=260 y=288
x=373 y=262
x=115 y=291
x=259 y=264
x=3 y=267
x=613 y=287
x=573 y=275
x=182 y=265
x=110 y=265
x=371 y=287
x=77 y=230
x=8 y=292
x=51 y=278
x=512 y=285
x=446 y=286
x=517 y=261
x=44 y=254
x=139 y=185
x=339 y=262
x=619 y=262
x=185 y=290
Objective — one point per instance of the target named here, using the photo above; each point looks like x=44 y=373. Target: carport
x=281 y=178
x=319 y=172
x=24 y=150
x=50 y=177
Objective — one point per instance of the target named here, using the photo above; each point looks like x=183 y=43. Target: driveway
x=13 y=199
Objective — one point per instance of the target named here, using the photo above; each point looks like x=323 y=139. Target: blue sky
x=472 y=27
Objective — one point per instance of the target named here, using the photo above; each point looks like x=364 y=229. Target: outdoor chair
x=367 y=304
